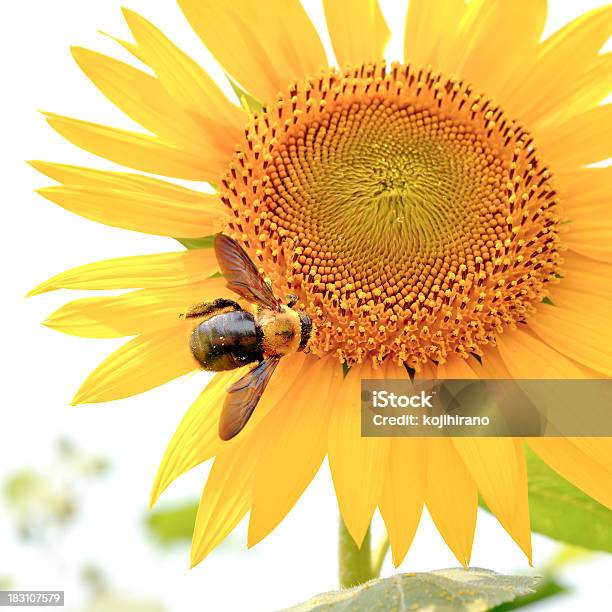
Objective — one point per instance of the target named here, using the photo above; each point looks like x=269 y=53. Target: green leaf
x=172 y=525
x=206 y=242
x=561 y=511
x=247 y=101
x=548 y=588
x=471 y=589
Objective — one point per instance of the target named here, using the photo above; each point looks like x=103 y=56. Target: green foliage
x=472 y=589
x=6 y=583
x=548 y=588
x=206 y=242
x=80 y=463
x=550 y=585
x=247 y=101
x=355 y=563
x=21 y=485
x=172 y=525
x=561 y=511
x=39 y=502
x=36 y=504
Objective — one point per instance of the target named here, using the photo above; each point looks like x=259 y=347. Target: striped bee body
x=227 y=341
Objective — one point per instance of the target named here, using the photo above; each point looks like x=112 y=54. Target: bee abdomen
x=226 y=341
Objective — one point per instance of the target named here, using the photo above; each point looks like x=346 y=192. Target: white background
x=41 y=369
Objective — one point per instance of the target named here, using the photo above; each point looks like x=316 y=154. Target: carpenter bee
x=230 y=337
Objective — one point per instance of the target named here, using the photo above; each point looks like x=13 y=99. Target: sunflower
x=433 y=216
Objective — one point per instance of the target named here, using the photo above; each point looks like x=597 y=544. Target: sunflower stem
x=380 y=554
x=354 y=563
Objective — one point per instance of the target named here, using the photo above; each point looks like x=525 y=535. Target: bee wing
x=241 y=274
x=242 y=398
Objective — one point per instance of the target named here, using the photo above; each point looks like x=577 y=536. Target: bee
x=230 y=337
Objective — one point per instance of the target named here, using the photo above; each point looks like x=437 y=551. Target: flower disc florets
x=412 y=218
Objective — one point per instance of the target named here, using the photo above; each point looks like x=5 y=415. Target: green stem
x=379 y=556
x=354 y=563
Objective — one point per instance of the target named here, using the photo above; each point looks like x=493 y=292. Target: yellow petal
x=226 y=497
x=357 y=464
x=357 y=29
x=492 y=365
x=143 y=363
x=132 y=313
x=586 y=196
x=574 y=96
x=593 y=237
x=581 y=336
x=428 y=370
x=567 y=52
x=296 y=435
x=495 y=38
x=139 y=211
x=136 y=150
x=456 y=367
x=146 y=271
x=264 y=46
x=432 y=31
x=597 y=449
x=566 y=298
x=528 y=357
x=126 y=181
x=489 y=366
x=196 y=439
x=130 y=47
x=585 y=276
x=588 y=183
x=141 y=97
x=451 y=497
x=189 y=86
x=497 y=465
x=185 y=204
x=403 y=493
x=387 y=371
x=577 y=466
x=581 y=140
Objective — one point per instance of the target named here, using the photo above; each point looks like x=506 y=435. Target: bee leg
x=208 y=309
x=291 y=299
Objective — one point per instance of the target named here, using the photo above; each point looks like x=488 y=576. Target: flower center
x=409 y=215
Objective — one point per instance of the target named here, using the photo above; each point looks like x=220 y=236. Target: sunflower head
x=411 y=216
